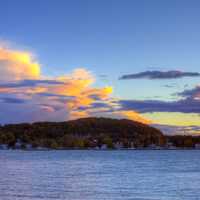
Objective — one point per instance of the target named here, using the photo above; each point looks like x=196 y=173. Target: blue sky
x=111 y=38
x=106 y=36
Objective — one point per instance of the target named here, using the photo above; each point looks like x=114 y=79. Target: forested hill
x=82 y=133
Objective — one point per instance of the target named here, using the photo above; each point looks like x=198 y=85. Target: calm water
x=100 y=175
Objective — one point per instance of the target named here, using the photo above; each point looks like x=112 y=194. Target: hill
x=82 y=133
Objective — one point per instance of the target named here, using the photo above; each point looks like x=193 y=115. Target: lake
x=100 y=175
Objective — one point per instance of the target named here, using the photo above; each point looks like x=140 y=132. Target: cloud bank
x=183 y=112
x=26 y=95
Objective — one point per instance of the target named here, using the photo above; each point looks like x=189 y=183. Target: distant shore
x=91 y=134
x=95 y=149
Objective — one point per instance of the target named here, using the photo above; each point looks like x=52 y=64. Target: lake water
x=100 y=175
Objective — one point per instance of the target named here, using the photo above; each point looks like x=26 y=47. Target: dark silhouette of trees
x=82 y=133
x=183 y=141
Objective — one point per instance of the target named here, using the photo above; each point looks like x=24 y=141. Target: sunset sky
x=135 y=59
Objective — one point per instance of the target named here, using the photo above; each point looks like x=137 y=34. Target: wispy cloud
x=173 y=74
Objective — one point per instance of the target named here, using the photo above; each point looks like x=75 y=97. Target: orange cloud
x=78 y=114
x=17 y=65
x=132 y=115
x=79 y=85
x=75 y=83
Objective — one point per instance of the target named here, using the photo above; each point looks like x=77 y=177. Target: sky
x=135 y=59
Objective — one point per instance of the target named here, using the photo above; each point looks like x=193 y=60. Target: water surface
x=100 y=175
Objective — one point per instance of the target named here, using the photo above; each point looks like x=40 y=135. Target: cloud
x=133 y=115
x=179 y=130
x=29 y=83
x=17 y=65
x=34 y=97
x=173 y=74
x=191 y=93
x=184 y=112
x=27 y=95
x=144 y=106
x=12 y=100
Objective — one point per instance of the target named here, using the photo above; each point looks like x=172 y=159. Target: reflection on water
x=100 y=175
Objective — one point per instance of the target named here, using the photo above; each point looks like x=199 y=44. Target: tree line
x=82 y=133
x=183 y=141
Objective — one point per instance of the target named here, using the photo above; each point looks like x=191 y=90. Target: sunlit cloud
x=132 y=115
x=17 y=65
x=37 y=97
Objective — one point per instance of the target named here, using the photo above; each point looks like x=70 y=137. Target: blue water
x=100 y=175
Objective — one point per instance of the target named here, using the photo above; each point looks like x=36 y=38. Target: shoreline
x=178 y=149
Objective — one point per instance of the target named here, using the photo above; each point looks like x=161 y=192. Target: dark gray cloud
x=12 y=100
x=29 y=83
x=47 y=94
x=95 y=97
x=192 y=93
x=97 y=105
x=185 y=106
x=173 y=74
x=189 y=104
